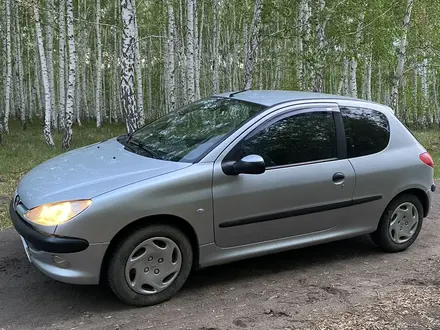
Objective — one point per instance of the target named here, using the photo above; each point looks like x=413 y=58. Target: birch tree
x=190 y=52
x=8 y=68
x=138 y=71
x=128 y=97
x=252 y=46
x=215 y=44
x=70 y=102
x=171 y=62
x=98 y=66
x=45 y=77
x=401 y=54
x=49 y=57
x=62 y=62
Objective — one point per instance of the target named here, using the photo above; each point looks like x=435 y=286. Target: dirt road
x=344 y=285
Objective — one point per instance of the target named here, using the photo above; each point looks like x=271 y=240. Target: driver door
x=306 y=185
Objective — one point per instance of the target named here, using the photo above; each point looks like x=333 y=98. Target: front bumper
x=43 y=241
x=65 y=259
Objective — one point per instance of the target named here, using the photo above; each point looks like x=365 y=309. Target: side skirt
x=211 y=254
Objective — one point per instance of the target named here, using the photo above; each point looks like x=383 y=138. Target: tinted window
x=296 y=139
x=367 y=131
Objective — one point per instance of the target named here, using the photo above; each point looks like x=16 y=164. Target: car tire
x=385 y=236
x=119 y=274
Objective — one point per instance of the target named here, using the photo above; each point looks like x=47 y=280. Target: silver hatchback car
x=226 y=178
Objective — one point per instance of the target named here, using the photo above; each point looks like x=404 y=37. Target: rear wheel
x=150 y=265
x=400 y=224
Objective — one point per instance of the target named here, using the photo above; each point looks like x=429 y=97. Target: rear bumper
x=43 y=241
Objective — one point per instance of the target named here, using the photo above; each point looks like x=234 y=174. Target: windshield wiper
x=142 y=146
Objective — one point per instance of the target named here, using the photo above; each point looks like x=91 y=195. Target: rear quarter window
x=367 y=131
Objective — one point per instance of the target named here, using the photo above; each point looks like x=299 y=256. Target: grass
x=24 y=149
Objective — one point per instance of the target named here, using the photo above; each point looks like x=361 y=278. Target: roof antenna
x=235 y=93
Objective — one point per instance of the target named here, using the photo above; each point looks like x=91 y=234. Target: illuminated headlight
x=56 y=213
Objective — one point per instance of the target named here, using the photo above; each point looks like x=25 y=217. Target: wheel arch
x=420 y=194
x=171 y=220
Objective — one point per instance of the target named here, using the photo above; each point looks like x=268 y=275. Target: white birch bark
x=252 y=45
x=19 y=70
x=215 y=46
x=70 y=102
x=379 y=83
x=171 y=62
x=149 y=84
x=49 y=58
x=7 y=83
x=425 y=92
x=354 y=63
x=404 y=107
x=199 y=51
x=435 y=94
x=98 y=108
x=300 y=48
x=47 y=95
x=318 y=85
x=128 y=97
x=343 y=82
x=37 y=85
x=138 y=72
x=190 y=52
x=401 y=54
x=62 y=62
x=166 y=74
x=196 y=52
x=78 y=98
x=369 y=77
x=353 y=75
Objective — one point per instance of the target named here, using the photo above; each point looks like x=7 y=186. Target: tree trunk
x=318 y=85
x=8 y=68
x=401 y=54
x=354 y=63
x=215 y=44
x=62 y=63
x=252 y=46
x=98 y=108
x=70 y=105
x=47 y=95
x=138 y=72
x=49 y=58
x=171 y=64
x=19 y=70
x=190 y=52
x=128 y=97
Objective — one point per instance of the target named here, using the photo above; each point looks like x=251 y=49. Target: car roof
x=272 y=97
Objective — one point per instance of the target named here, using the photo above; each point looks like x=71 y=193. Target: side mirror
x=251 y=164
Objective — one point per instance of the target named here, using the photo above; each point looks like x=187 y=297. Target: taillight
x=427 y=159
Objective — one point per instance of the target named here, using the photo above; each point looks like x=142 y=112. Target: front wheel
x=400 y=224
x=150 y=265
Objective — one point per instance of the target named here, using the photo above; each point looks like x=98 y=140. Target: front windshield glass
x=186 y=134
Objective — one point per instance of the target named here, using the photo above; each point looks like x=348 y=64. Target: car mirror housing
x=251 y=164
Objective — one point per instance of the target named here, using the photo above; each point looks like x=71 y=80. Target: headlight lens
x=56 y=213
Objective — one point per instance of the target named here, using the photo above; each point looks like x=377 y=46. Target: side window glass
x=300 y=138
x=367 y=131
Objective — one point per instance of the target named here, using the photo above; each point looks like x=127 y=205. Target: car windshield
x=187 y=134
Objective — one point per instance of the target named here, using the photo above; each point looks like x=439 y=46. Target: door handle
x=338 y=177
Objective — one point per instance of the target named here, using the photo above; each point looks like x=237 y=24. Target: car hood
x=89 y=171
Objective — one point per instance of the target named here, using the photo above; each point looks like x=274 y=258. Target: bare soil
x=348 y=284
